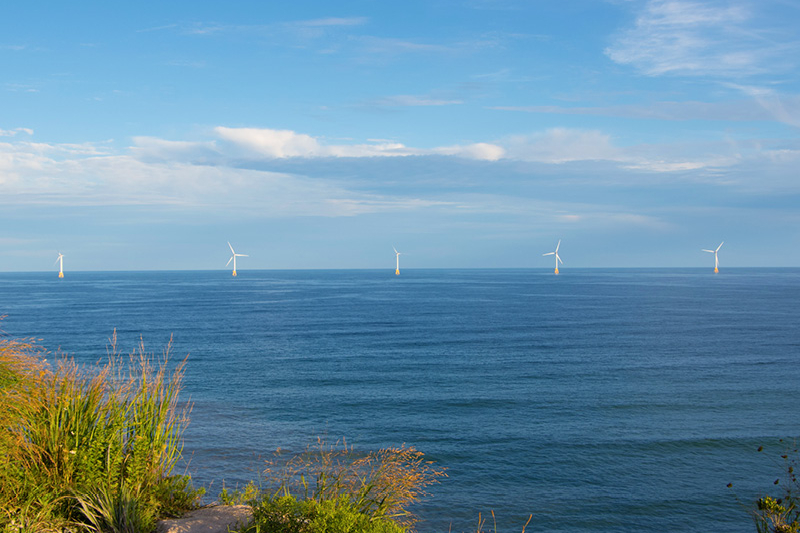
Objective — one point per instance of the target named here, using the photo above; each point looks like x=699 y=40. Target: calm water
x=598 y=400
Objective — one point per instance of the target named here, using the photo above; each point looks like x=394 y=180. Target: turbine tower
x=716 y=256
x=397 y=256
x=60 y=259
x=233 y=258
x=556 y=254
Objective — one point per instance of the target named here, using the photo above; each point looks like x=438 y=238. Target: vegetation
x=335 y=489
x=89 y=450
x=93 y=450
x=781 y=514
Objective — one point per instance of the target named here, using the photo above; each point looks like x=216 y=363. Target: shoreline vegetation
x=93 y=449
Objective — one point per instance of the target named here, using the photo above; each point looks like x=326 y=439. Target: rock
x=215 y=519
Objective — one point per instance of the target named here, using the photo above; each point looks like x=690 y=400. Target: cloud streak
x=282 y=173
x=708 y=39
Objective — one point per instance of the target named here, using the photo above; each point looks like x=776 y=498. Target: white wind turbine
x=556 y=254
x=60 y=259
x=716 y=256
x=233 y=258
x=397 y=256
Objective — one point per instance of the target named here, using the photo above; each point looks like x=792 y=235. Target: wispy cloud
x=333 y=21
x=158 y=28
x=737 y=110
x=20 y=87
x=305 y=29
x=713 y=38
x=783 y=108
x=189 y=63
x=280 y=144
x=409 y=100
x=15 y=131
x=392 y=46
x=286 y=173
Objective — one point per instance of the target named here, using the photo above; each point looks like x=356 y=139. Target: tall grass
x=89 y=448
x=330 y=484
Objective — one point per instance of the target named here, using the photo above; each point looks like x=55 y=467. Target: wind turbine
x=60 y=259
x=556 y=254
x=397 y=256
x=233 y=258
x=716 y=256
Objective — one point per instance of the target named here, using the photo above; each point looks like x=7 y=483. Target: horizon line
x=544 y=269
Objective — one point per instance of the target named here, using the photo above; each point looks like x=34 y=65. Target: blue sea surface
x=595 y=400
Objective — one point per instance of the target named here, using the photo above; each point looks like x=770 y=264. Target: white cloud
x=711 y=38
x=272 y=143
x=282 y=144
x=415 y=101
x=159 y=172
x=783 y=108
x=560 y=145
x=737 y=110
x=15 y=131
x=284 y=173
x=152 y=148
x=334 y=21
x=480 y=151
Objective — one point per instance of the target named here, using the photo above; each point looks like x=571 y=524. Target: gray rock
x=215 y=519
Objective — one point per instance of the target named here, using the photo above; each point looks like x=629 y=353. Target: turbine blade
x=551 y=253
x=720 y=246
x=231 y=247
x=242 y=255
x=395 y=250
x=558 y=245
x=559 y=259
x=229 y=261
x=709 y=251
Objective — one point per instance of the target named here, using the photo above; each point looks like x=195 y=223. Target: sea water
x=595 y=400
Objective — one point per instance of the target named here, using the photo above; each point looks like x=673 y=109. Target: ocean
x=596 y=400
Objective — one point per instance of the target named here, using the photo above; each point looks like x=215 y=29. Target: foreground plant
x=92 y=449
x=334 y=488
x=781 y=514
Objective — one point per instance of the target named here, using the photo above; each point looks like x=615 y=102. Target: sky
x=465 y=133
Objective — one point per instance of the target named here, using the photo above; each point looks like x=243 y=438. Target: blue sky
x=473 y=133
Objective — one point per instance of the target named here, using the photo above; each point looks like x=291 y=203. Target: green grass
x=332 y=488
x=287 y=514
x=89 y=449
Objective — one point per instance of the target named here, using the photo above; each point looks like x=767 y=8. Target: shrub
x=86 y=445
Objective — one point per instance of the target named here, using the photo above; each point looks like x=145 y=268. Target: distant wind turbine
x=397 y=256
x=716 y=257
x=60 y=259
x=233 y=258
x=556 y=254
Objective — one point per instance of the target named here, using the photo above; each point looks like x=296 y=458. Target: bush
x=84 y=446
